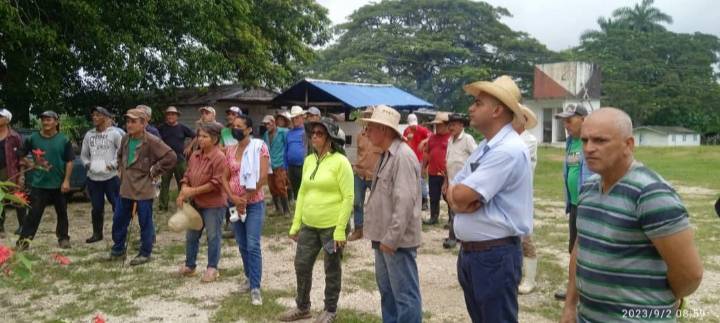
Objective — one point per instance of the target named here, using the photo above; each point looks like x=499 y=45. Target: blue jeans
x=213 y=219
x=121 y=220
x=490 y=280
x=247 y=236
x=424 y=187
x=399 y=285
x=361 y=186
x=99 y=190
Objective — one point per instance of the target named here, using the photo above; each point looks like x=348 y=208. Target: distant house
x=665 y=136
x=556 y=86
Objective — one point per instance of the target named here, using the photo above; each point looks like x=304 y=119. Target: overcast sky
x=559 y=23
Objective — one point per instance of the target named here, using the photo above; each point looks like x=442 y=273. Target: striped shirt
x=621 y=277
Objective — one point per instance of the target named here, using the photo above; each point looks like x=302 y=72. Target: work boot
x=527 y=285
x=94 y=238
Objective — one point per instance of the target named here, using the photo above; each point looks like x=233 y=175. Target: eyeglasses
x=318 y=133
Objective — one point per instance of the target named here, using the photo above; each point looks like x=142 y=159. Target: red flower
x=38 y=152
x=22 y=197
x=5 y=254
x=98 y=318
x=60 y=259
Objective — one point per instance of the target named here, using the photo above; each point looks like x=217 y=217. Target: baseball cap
x=268 y=118
x=136 y=114
x=314 y=111
x=102 y=111
x=412 y=119
x=49 y=114
x=5 y=113
x=234 y=110
x=572 y=110
x=208 y=109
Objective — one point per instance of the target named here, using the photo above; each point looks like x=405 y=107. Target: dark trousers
x=572 y=226
x=295 y=176
x=39 y=199
x=451 y=226
x=99 y=190
x=178 y=171
x=21 y=212
x=435 y=183
x=121 y=221
x=310 y=243
x=490 y=280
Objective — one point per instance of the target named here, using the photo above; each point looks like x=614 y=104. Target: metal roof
x=352 y=95
x=667 y=130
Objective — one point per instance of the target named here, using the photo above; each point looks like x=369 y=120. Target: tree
x=642 y=17
x=56 y=53
x=429 y=47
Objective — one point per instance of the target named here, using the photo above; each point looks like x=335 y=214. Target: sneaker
x=117 y=256
x=326 y=317
x=93 y=239
x=357 y=234
x=449 y=243
x=255 y=297
x=560 y=295
x=64 y=244
x=294 y=315
x=186 y=271
x=244 y=287
x=139 y=260
x=430 y=221
x=210 y=275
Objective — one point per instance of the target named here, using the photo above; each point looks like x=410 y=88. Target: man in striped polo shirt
x=634 y=257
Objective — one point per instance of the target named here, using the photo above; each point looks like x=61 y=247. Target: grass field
x=90 y=285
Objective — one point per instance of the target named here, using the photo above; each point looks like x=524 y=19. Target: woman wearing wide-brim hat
x=324 y=203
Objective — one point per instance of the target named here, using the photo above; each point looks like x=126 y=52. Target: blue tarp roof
x=353 y=95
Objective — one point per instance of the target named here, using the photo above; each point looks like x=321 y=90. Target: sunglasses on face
x=318 y=133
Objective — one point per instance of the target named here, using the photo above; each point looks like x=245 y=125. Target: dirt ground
x=191 y=301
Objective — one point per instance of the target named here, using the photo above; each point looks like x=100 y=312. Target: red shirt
x=207 y=168
x=437 y=150
x=414 y=137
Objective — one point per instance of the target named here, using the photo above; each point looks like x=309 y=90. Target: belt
x=479 y=246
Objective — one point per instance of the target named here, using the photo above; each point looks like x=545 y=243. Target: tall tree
x=642 y=17
x=54 y=50
x=429 y=47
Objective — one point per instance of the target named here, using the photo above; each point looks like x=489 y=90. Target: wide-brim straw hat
x=185 y=219
x=296 y=111
x=528 y=117
x=441 y=117
x=386 y=116
x=502 y=88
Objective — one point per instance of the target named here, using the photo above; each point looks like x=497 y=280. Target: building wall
x=645 y=137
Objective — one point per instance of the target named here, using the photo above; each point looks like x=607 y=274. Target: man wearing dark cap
x=575 y=172
x=142 y=159
x=175 y=135
x=52 y=161
x=460 y=146
x=99 y=156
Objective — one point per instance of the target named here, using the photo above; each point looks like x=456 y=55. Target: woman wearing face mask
x=246 y=173
x=324 y=203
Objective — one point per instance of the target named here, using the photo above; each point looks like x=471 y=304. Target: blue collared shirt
x=499 y=171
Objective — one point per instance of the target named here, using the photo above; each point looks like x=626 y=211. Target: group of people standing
x=630 y=240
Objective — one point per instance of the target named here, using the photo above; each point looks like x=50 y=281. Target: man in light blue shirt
x=492 y=200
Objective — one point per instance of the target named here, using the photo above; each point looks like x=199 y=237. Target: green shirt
x=226 y=137
x=56 y=151
x=132 y=145
x=573 y=169
x=326 y=194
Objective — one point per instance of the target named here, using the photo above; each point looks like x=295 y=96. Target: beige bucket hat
x=185 y=219
x=502 y=88
x=386 y=116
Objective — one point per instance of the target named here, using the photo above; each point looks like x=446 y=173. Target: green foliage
x=60 y=54
x=429 y=47
x=658 y=77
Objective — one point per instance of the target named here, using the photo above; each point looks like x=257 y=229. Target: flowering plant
x=13 y=263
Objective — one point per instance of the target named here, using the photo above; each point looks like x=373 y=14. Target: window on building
x=673 y=138
x=684 y=138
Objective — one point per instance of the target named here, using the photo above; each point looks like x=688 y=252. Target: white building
x=665 y=136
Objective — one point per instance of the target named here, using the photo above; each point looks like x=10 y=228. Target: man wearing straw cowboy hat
x=142 y=159
x=492 y=200
x=392 y=220
x=527 y=285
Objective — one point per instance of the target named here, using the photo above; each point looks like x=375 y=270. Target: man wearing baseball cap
x=10 y=149
x=275 y=139
x=313 y=114
x=415 y=134
x=175 y=135
x=148 y=112
x=99 y=156
x=142 y=159
x=52 y=166
x=492 y=197
x=575 y=171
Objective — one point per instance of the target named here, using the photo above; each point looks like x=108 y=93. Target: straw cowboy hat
x=528 y=117
x=296 y=111
x=185 y=219
x=386 y=116
x=502 y=88
x=441 y=117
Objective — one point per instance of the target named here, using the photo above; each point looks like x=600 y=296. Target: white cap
x=314 y=111
x=5 y=113
x=412 y=119
x=268 y=118
x=234 y=110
